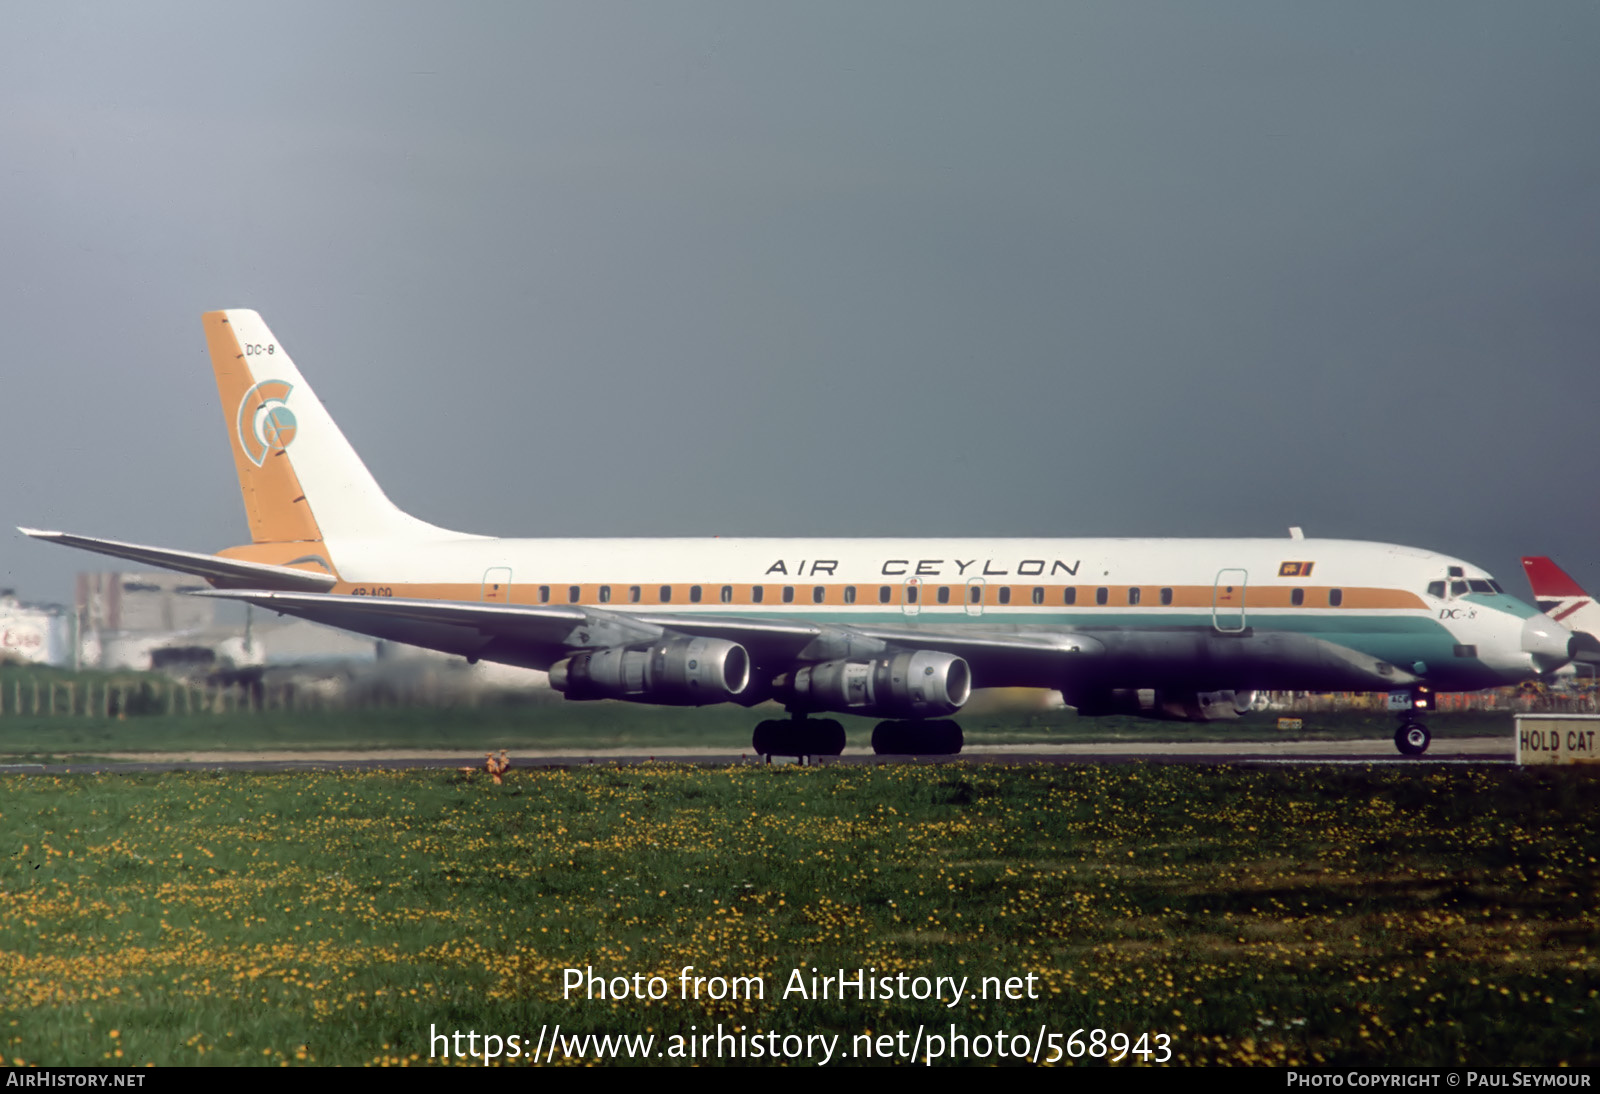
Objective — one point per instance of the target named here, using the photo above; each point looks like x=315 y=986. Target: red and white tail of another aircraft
x=1562 y=598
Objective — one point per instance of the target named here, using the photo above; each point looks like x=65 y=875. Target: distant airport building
x=124 y=618
x=145 y=621
x=38 y=634
x=112 y=603
x=148 y=622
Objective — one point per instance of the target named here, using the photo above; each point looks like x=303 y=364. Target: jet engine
x=671 y=671
x=899 y=684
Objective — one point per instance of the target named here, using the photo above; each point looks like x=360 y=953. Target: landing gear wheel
x=798 y=737
x=824 y=737
x=891 y=739
x=769 y=737
x=1412 y=738
x=917 y=739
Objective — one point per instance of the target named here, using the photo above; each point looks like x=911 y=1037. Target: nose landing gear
x=1412 y=738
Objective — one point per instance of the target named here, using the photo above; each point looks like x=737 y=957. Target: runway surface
x=1496 y=749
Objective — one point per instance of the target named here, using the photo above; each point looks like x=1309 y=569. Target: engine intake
x=676 y=671
x=900 y=684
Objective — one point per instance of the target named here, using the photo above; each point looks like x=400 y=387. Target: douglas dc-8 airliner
x=898 y=629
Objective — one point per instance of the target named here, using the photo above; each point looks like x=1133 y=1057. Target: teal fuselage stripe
x=1401 y=640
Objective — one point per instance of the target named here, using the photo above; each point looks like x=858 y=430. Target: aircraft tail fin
x=301 y=479
x=1560 y=597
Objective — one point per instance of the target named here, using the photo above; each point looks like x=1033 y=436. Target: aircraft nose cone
x=1547 y=642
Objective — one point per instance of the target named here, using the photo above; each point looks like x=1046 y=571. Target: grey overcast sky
x=849 y=269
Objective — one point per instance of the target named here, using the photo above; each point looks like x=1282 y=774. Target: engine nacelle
x=674 y=671
x=899 y=684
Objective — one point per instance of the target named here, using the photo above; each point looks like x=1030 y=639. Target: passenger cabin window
x=1436 y=589
x=1005 y=594
x=1297 y=597
x=788 y=594
x=1335 y=597
x=1166 y=596
x=944 y=594
x=544 y=594
x=849 y=594
x=727 y=594
x=666 y=594
x=572 y=594
x=757 y=593
x=633 y=594
x=911 y=594
x=883 y=594
x=694 y=594
x=975 y=594
x=605 y=594
x=1069 y=595
x=818 y=593
x=1133 y=596
x=1038 y=594
x=1102 y=595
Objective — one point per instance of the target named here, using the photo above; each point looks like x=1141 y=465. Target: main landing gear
x=1412 y=738
x=798 y=737
x=917 y=739
x=801 y=737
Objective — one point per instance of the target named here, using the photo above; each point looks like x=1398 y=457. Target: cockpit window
x=1436 y=589
x=1495 y=585
x=1480 y=586
x=1458 y=588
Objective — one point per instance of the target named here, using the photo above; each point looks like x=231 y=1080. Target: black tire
x=890 y=739
x=917 y=739
x=1412 y=738
x=825 y=737
x=768 y=739
x=942 y=739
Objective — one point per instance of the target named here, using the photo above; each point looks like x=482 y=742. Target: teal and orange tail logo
x=265 y=422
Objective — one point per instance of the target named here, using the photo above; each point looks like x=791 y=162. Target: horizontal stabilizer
x=455 y=613
x=224 y=571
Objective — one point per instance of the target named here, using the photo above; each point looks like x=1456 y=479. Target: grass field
x=1351 y=915
x=578 y=726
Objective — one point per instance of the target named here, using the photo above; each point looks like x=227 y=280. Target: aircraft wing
x=536 y=635
x=227 y=571
x=520 y=634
